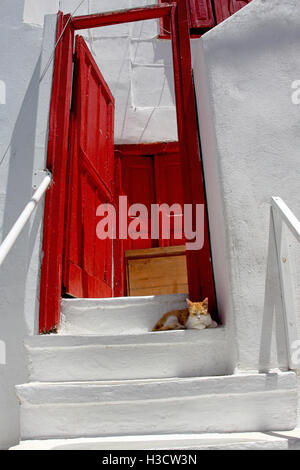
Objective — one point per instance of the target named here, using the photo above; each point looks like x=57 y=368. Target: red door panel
x=138 y=185
x=87 y=259
x=222 y=9
x=150 y=180
x=118 y=244
x=238 y=4
x=201 y=14
x=169 y=190
x=226 y=8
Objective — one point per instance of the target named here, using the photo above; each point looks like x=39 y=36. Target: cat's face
x=196 y=309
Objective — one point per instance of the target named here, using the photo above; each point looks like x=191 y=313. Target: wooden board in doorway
x=156 y=271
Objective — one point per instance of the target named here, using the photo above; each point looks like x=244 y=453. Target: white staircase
x=228 y=441
x=107 y=381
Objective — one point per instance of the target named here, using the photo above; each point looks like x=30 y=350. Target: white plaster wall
x=136 y=65
x=250 y=138
x=24 y=108
x=250 y=135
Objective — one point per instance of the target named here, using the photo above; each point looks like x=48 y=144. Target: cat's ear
x=189 y=302
x=205 y=302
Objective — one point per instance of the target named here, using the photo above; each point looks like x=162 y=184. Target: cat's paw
x=199 y=327
x=213 y=324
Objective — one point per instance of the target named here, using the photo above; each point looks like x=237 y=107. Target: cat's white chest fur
x=200 y=322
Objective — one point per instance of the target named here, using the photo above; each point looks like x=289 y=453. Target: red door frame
x=200 y=280
x=58 y=137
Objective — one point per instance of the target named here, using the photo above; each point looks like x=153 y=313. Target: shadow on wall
x=14 y=10
x=16 y=276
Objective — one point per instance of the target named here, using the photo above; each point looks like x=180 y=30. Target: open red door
x=151 y=174
x=224 y=10
x=72 y=253
x=87 y=259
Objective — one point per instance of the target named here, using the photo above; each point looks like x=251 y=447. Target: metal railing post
x=284 y=217
x=20 y=223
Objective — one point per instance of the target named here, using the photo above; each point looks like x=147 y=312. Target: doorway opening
x=86 y=171
x=152 y=175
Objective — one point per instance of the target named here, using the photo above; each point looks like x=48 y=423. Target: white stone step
x=185 y=353
x=229 y=441
x=118 y=315
x=240 y=403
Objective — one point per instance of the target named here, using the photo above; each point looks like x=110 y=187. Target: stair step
x=229 y=441
x=237 y=403
x=185 y=353
x=118 y=315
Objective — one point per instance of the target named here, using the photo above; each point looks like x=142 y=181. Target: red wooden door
x=238 y=4
x=226 y=8
x=118 y=243
x=169 y=190
x=138 y=185
x=87 y=259
x=153 y=179
x=201 y=14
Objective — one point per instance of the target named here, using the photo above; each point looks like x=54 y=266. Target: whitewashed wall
x=250 y=132
x=24 y=107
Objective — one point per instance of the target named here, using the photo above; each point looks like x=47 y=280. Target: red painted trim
x=118 y=244
x=87 y=260
x=89 y=167
x=165 y=25
x=121 y=16
x=222 y=10
x=53 y=231
x=147 y=149
x=198 y=24
x=200 y=272
x=104 y=86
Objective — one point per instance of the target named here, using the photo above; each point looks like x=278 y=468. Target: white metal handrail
x=20 y=223
x=287 y=215
x=281 y=214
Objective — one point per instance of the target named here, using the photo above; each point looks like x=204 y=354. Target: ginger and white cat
x=196 y=316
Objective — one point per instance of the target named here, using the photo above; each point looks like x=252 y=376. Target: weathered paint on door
x=226 y=8
x=204 y=14
x=201 y=14
x=87 y=259
x=169 y=190
x=138 y=186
